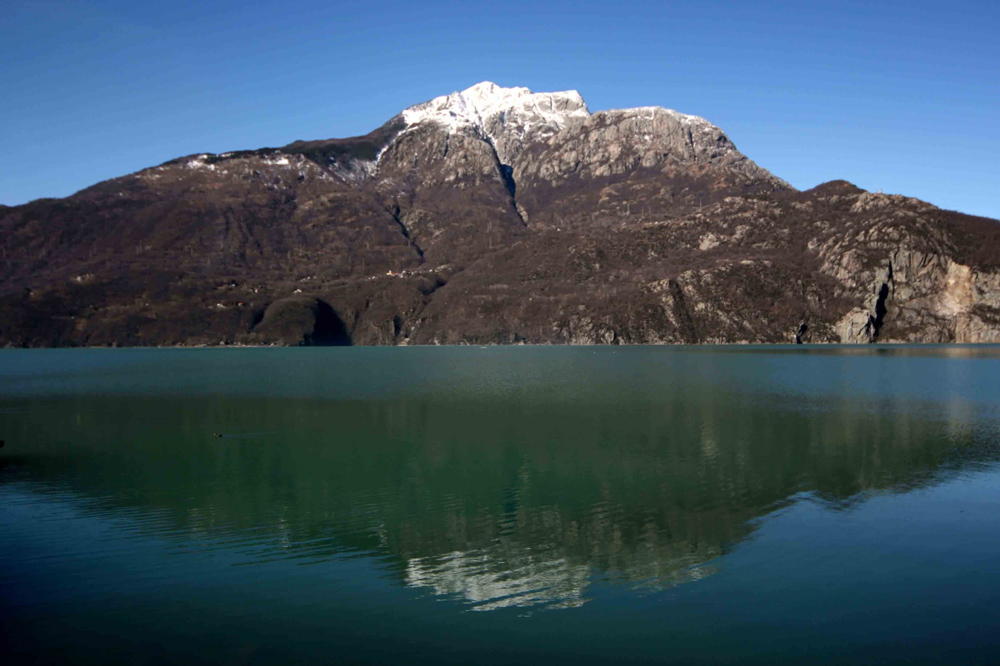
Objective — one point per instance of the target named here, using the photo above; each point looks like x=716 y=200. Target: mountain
x=492 y=215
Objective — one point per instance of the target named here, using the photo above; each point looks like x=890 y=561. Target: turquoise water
x=490 y=505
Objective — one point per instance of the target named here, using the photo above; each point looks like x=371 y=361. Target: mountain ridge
x=493 y=215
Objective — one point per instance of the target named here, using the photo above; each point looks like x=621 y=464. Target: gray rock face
x=493 y=215
x=921 y=297
x=612 y=143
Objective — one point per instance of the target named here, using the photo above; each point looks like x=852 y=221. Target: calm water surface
x=493 y=505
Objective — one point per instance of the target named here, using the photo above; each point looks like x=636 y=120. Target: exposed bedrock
x=924 y=297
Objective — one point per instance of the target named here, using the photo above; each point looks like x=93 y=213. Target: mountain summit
x=493 y=215
x=511 y=118
x=485 y=105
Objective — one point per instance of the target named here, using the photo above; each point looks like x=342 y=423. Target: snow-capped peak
x=507 y=117
x=479 y=105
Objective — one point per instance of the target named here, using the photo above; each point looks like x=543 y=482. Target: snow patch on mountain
x=508 y=118
x=486 y=102
x=198 y=162
x=649 y=112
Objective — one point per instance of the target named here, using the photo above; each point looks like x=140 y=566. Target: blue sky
x=898 y=96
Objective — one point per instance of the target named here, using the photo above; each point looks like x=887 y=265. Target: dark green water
x=531 y=505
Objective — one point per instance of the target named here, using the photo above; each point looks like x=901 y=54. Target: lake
x=454 y=505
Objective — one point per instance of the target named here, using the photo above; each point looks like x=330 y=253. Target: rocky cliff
x=493 y=215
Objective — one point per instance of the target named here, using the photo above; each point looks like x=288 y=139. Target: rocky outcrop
x=921 y=297
x=493 y=215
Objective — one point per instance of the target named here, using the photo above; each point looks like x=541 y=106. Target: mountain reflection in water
x=475 y=485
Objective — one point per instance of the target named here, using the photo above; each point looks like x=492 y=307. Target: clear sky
x=898 y=96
